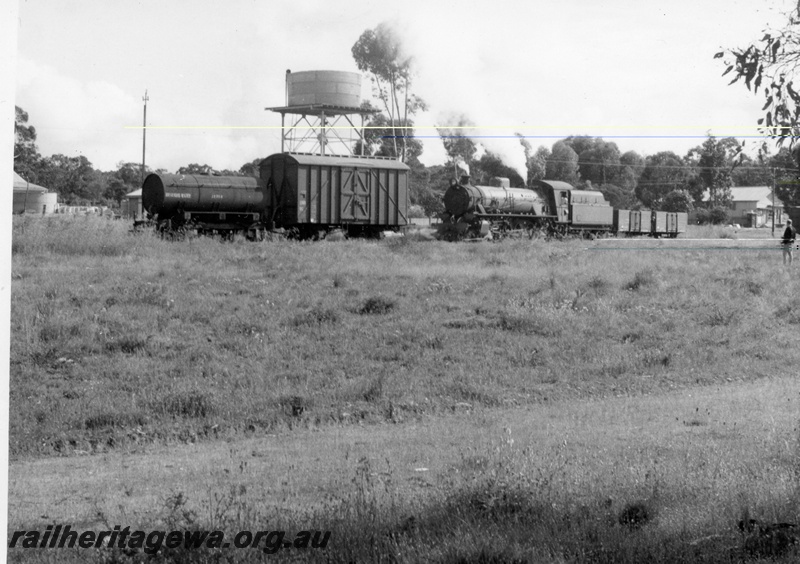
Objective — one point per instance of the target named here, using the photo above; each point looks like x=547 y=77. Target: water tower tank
x=336 y=88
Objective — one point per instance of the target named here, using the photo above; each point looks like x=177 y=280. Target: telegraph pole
x=144 y=131
x=773 y=201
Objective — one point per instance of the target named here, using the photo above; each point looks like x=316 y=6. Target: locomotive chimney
x=464 y=179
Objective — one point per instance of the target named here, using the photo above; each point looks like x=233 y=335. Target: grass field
x=547 y=388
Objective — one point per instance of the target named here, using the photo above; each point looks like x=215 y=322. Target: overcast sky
x=637 y=72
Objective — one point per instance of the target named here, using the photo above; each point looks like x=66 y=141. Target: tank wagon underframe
x=209 y=203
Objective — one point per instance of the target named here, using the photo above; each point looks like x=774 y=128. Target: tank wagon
x=222 y=203
x=551 y=208
x=304 y=195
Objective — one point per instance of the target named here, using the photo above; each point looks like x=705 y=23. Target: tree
x=631 y=168
x=619 y=197
x=663 y=173
x=490 y=166
x=677 y=201
x=634 y=161
x=772 y=62
x=116 y=190
x=380 y=52
x=195 y=168
x=251 y=168
x=598 y=159
x=73 y=178
x=124 y=180
x=535 y=162
x=27 y=160
x=752 y=172
x=380 y=141
x=714 y=162
x=787 y=180
x=427 y=185
x=562 y=164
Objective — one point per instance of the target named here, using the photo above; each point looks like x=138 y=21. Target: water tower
x=322 y=107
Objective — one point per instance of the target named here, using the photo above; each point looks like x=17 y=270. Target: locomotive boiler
x=477 y=211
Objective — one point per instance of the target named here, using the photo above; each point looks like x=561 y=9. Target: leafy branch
x=769 y=66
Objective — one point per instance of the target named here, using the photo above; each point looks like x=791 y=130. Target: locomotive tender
x=552 y=208
x=306 y=195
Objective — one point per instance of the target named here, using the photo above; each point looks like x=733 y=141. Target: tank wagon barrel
x=165 y=194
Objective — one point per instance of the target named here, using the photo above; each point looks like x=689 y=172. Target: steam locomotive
x=301 y=194
x=552 y=208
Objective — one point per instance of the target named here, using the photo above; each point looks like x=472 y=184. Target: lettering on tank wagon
x=178 y=195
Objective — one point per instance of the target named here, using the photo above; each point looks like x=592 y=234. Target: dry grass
x=121 y=345
x=230 y=329
x=550 y=484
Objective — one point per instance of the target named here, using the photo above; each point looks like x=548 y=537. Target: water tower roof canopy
x=319 y=109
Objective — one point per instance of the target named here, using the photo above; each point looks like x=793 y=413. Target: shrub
x=189 y=403
x=315 y=316
x=634 y=515
x=415 y=210
x=641 y=279
x=718 y=216
x=714 y=216
x=377 y=305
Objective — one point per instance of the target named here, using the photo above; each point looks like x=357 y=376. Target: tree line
x=700 y=179
x=77 y=182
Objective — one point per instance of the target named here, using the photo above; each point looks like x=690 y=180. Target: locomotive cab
x=582 y=211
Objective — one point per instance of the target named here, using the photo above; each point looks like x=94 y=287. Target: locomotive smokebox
x=457 y=199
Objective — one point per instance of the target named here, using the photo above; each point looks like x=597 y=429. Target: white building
x=32 y=199
x=751 y=206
